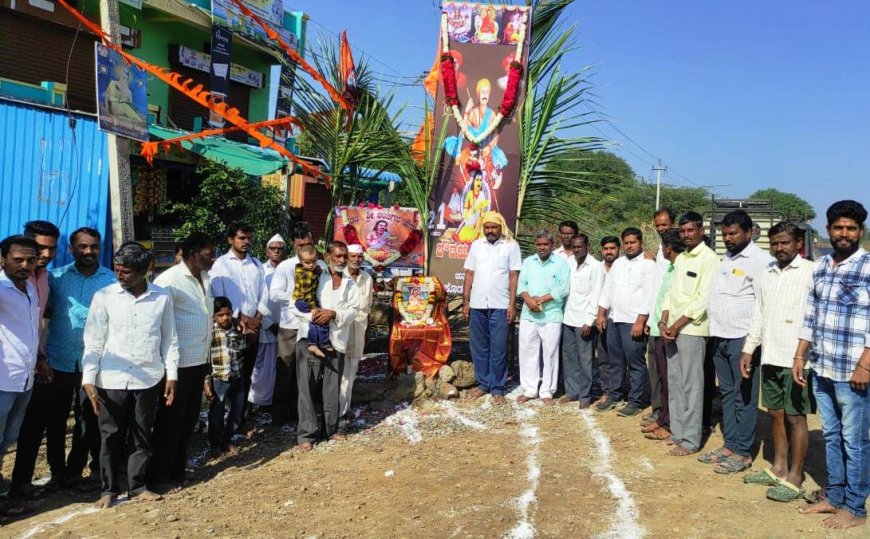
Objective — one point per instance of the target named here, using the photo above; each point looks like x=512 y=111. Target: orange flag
x=347 y=69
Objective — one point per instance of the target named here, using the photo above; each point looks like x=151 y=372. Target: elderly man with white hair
x=263 y=376
x=357 y=339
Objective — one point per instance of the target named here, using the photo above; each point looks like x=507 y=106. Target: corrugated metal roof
x=50 y=171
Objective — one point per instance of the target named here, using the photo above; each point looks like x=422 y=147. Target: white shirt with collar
x=19 y=335
x=242 y=281
x=587 y=281
x=194 y=307
x=344 y=301
x=130 y=342
x=628 y=288
x=492 y=264
x=732 y=299
x=779 y=311
x=281 y=290
x=564 y=253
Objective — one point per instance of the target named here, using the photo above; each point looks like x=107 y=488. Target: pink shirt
x=40 y=281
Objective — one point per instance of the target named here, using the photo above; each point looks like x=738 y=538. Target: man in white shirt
x=19 y=334
x=286 y=394
x=776 y=324
x=488 y=303
x=567 y=231
x=240 y=277
x=623 y=310
x=193 y=307
x=732 y=302
x=265 y=367
x=356 y=342
x=338 y=298
x=578 y=323
x=130 y=347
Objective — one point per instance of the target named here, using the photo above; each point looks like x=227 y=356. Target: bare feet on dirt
x=337 y=437
x=148 y=496
x=105 y=502
x=548 y=401
x=305 y=447
x=821 y=507
x=475 y=393
x=842 y=520
x=522 y=399
x=499 y=400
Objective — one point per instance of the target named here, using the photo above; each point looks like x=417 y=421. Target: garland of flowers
x=415 y=319
x=451 y=96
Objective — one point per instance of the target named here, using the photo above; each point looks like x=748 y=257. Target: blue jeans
x=226 y=394
x=13 y=405
x=627 y=359
x=488 y=339
x=578 y=355
x=845 y=414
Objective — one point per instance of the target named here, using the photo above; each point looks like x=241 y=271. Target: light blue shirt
x=68 y=303
x=542 y=278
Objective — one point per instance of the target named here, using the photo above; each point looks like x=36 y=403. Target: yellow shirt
x=694 y=273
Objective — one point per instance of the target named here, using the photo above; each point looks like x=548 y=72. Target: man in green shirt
x=672 y=245
x=684 y=328
x=544 y=285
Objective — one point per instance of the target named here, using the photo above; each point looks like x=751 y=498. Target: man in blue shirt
x=544 y=284
x=72 y=288
x=837 y=326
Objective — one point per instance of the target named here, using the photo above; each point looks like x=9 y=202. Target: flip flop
x=765 y=477
x=732 y=465
x=680 y=451
x=658 y=434
x=713 y=457
x=785 y=492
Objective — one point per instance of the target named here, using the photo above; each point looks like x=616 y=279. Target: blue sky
x=737 y=95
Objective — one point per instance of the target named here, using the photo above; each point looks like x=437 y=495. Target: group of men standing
x=131 y=357
x=637 y=330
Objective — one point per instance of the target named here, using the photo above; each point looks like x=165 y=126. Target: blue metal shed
x=53 y=166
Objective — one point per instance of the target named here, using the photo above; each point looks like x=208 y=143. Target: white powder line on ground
x=454 y=414
x=39 y=528
x=407 y=422
x=625 y=524
x=524 y=528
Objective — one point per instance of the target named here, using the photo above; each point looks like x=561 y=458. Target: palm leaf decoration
x=551 y=115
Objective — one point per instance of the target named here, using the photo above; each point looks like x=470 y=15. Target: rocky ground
x=448 y=468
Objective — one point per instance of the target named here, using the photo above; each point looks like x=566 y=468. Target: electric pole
x=120 y=185
x=658 y=170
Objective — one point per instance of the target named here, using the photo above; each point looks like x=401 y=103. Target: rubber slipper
x=732 y=465
x=680 y=451
x=764 y=477
x=713 y=457
x=658 y=434
x=785 y=492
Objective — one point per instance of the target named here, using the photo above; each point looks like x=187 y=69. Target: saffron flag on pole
x=347 y=69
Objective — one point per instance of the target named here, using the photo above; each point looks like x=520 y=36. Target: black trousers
x=286 y=393
x=174 y=426
x=126 y=413
x=47 y=414
x=319 y=382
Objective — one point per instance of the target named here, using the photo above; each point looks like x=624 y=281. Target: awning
x=253 y=160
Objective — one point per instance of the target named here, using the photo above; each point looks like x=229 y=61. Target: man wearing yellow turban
x=489 y=302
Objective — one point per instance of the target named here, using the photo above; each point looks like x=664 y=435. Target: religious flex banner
x=390 y=237
x=483 y=58
x=122 y=98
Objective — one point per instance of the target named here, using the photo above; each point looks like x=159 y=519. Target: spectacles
x=276 y=248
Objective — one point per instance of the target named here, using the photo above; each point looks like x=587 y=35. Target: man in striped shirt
x=837 y=324
x=775 y=325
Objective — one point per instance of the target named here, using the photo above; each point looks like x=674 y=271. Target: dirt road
x=451 y=469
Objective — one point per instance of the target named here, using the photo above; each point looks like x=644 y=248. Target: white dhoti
x=355 y=345
x=263 y=377
x=533 y=339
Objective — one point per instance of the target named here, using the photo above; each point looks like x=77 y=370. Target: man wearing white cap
x=263 y=377
x=357 y=340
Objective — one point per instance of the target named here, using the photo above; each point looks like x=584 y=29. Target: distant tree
x=790 y=204
x=228 y=195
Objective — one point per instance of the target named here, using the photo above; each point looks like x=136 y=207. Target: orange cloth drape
x=426 y=348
